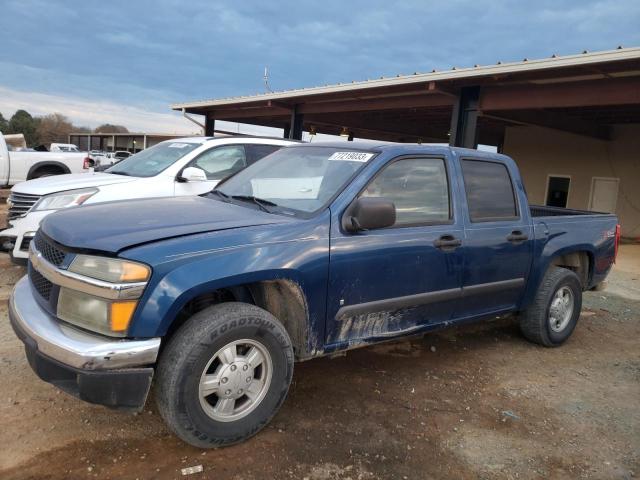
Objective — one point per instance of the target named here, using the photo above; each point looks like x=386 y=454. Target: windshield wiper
x=120 y=173
x=222 y=195
x=261 y=202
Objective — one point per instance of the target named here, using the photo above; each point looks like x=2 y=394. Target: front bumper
x=97 y=369
x=19 y=233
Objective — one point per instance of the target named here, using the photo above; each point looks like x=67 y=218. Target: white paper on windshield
x=290 y=188
x=351 y=156
x=178 y=145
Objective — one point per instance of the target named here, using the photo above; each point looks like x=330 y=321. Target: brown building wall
x=540 y=152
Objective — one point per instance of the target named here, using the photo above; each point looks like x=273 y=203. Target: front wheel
x=553 y=314
x=224 y=374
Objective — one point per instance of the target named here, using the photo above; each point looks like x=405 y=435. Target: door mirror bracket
x=369 y=213
x=192 y=174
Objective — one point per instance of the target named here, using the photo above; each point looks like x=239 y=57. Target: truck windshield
x=300 y=179
x=153 y=160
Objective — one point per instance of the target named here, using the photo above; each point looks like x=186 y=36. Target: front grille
x=20 y=203
x=41 y=284
x=51 y=253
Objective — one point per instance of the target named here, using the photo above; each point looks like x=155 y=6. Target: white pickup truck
x=18 y=166
x=188 y=166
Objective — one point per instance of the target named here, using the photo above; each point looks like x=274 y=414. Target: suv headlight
x=102 y=315
x=71 y=198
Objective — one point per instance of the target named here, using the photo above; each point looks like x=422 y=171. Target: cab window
x=419 y=189
x=489 y=190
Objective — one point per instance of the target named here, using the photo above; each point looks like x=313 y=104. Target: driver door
x=394 y=280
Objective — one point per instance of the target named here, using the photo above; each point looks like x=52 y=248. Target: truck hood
x=115 y=226
x=70 y=181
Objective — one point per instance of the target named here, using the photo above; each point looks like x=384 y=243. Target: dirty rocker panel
x=419 y=299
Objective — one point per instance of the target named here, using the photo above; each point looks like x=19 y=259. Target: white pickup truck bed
x=18 y=166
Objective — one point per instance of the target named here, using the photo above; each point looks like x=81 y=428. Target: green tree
x=4 y=125
x=23 y=122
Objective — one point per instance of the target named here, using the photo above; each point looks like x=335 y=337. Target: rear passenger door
x=393 y=280
x=497 y=245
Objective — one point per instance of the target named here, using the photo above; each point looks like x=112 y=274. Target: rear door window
x=490 y=195
x=255 y=152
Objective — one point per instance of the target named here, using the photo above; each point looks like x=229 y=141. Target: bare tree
x=109 y=128
x=53 y=128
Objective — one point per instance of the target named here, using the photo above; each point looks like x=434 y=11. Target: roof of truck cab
x=380 y=146
x=232 y=138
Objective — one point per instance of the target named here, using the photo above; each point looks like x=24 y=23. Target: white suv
x=186 y=166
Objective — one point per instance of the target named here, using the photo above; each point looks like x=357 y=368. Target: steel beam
x=553 y=120
x=209 y=126
x=596 y=93
x=464 y=118
x=425 y=99
x=295 y=130
x=376 y=104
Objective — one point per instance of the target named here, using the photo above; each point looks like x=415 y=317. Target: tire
x=201 y=347
x=45 y=173
x=546 y=321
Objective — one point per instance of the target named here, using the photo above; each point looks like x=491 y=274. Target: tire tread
x=533 y=321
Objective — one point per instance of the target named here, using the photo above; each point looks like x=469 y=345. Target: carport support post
x=209 y=126
x=295 y=127
x=464 y=118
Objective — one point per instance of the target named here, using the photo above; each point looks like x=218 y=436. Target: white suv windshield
x=152 y=161
x=302 y=179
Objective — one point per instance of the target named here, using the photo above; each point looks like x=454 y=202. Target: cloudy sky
x=124 y=62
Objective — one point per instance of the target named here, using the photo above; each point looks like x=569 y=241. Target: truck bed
x=544 y=211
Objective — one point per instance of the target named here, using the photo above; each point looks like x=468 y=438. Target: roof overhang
x=418 y=107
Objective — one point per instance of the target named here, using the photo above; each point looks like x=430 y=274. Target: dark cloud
x=151 y=53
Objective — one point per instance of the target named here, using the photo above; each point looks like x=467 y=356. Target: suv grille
x=41 y=284
x=52 y=254
x=21 y=203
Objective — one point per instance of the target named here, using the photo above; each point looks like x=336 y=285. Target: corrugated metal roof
x=526 y=65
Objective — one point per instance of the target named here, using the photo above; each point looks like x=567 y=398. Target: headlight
x=72 y=198
x=94 y=313
x=102 y=315
x=112 y=270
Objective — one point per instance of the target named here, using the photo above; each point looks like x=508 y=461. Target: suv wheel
x=224 y=374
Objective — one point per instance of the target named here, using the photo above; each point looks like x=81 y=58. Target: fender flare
x=48 y=163
x=545 y=261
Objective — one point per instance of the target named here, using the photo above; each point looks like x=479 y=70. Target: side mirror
x=369 y=213
x=193 y=174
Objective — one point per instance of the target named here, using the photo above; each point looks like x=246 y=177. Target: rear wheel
x=553 y=315
x=46 y=172
x=224 y=374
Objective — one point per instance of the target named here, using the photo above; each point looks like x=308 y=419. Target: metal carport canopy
x=583 y=94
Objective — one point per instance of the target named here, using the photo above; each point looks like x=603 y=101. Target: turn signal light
x=121 y=313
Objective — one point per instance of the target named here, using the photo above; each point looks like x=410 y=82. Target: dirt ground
x=470 y=402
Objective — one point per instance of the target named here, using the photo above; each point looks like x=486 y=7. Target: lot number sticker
x=351 y=156
x=178 y=145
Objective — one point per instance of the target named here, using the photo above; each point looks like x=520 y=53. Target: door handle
x=517 y=236
x=447 y=242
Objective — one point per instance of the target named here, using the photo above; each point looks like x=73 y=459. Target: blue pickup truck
x=313 y=250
